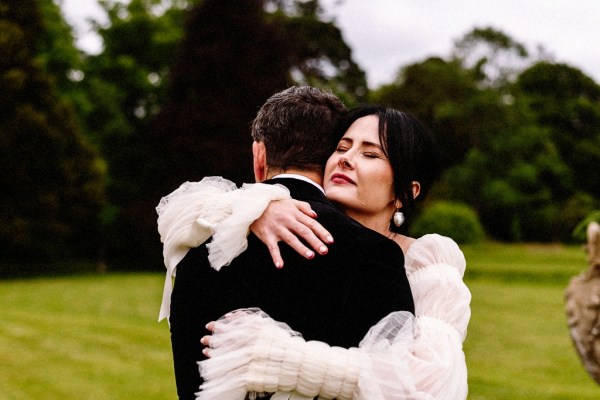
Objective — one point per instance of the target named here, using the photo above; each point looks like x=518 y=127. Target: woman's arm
x=215 y=207
x=269 y=357
x=252 y=353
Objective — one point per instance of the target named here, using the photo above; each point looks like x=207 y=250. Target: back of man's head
x=298 y=128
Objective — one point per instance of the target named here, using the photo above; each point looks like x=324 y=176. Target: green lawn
x=96 y=337
x=518 y=346
x=91 y=337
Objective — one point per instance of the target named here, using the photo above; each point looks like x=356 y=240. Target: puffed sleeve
x=435 y=266
x=251 y=353
x=215 y=207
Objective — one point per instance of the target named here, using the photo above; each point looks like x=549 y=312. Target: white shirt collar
x=302 y=178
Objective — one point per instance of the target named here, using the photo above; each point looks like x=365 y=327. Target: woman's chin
x=340 y=195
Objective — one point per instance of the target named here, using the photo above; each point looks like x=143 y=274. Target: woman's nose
x=343 y=162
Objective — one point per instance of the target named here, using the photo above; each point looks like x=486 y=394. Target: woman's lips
x=341 y=178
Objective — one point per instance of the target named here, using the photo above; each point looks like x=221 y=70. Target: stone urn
x=582 y=303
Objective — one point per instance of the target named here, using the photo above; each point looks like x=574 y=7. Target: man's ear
x=416 y=189
x=259 y=154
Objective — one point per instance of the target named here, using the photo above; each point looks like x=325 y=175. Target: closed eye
x=372 y=155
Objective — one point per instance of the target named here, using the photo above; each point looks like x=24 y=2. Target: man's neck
x=313 y=176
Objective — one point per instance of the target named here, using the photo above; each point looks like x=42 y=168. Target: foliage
x=455 y=220
x=52 y=177
x=56 y=50
x=125 y=89
x=567 y=103
x=511 y=185
x=317 y=52
x=495 y=57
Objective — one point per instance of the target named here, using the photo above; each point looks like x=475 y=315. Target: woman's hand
x=205 y=341
x=289 y=221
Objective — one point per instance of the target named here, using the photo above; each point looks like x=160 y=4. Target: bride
x=378 y=171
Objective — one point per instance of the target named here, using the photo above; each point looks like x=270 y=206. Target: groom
x=334 y=298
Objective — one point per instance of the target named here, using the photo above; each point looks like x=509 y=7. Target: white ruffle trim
x=432 y=249
x=401 y=357
x=194 y=212
x=435 y=267
x=248 y=204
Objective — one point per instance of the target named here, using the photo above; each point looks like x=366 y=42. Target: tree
x=167 y=111
x=318 y=54
x=230 y=61
x=124 y=87
x=537 y=175
x=53 y=178
x=233 y=57
x=58 y=54
x=567 y=102
x=513 y=184
x=493 y=55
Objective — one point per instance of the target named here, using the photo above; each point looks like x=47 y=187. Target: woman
x=381 y=165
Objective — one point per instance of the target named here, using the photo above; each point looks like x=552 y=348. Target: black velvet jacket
x=334 y=298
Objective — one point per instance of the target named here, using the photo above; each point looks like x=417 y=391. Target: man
x=333 y=298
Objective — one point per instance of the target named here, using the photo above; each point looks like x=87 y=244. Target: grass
x=90 y=337
x=518 y=345
x=96 y=336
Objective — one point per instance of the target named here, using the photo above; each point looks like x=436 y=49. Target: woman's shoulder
x=436 y=240
x=435 y=249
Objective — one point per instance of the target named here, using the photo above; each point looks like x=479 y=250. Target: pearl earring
x=398 y=218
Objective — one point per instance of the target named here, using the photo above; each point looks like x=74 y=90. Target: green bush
x=579 y=233
x=455 y=220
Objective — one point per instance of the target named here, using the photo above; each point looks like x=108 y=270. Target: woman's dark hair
x=411 y=150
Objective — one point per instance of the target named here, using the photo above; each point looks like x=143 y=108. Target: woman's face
x=358 y=175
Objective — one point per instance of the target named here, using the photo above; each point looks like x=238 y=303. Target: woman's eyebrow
x=364 y=143
x=371 y=144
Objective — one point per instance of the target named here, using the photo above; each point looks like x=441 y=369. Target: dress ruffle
x=194 y=212
x=401 y=357
x=435 y=267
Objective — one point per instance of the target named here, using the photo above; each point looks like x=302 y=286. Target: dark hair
x=411 y=150
x=298 y=127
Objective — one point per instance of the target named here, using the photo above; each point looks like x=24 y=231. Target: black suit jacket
x=334 y=298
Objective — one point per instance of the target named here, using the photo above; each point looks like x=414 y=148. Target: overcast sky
x=387 y=34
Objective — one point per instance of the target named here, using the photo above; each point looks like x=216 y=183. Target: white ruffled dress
x=401 y=357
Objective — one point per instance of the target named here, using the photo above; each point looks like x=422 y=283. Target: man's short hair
x=298 y=127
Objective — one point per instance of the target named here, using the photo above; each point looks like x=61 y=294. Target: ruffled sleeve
x=251 y=353
x=213 y=207
x=402 y=357
x=435 y=266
